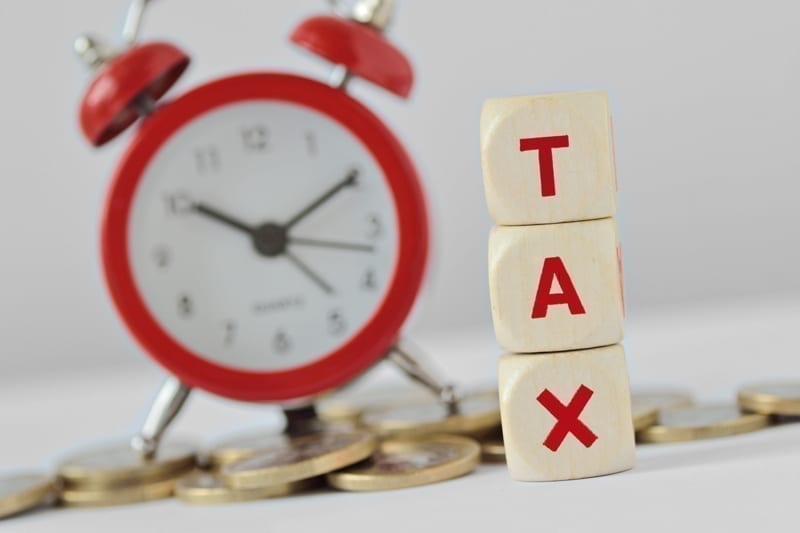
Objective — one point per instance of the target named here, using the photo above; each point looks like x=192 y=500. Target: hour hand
x=217 y=215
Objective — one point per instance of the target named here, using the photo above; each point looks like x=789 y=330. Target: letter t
x=545 y=146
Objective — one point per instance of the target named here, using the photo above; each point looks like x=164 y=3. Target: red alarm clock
x=265 y=235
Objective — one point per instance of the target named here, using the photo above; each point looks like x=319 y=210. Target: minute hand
x=348 y=181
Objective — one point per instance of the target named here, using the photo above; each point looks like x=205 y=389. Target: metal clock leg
x=166 y=405
x=412 y=361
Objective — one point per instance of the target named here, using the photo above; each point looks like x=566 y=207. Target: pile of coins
x=367 y=444
x=116 y=474
x=758 y=406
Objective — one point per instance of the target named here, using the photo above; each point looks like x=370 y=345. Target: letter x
x=567 y=420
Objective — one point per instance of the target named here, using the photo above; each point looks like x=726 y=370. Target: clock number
x=230 y=333
x=368 y=281
x=178 y=203
x=185 y=306
x=375 y=229
x=255 y=138
x=336 y=323
x=162 y=256
x=311 y=143
x=207 y=160
x=281 y=343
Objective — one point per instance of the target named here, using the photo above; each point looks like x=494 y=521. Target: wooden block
x=548 y=159
x=566 y=415
x=556 y=287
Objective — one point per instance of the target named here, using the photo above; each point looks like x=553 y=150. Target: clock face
x=262 y=236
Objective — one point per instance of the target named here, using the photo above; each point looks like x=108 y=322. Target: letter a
x=554 y=269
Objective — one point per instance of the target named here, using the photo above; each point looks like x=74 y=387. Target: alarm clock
x=264 y=235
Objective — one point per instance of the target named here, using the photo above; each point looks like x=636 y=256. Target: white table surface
x=744 y=483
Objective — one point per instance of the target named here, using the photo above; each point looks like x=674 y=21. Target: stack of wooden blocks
x=555 y=280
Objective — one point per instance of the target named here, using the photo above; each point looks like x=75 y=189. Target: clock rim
x=376 y=335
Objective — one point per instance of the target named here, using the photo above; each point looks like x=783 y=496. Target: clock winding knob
x=376 y=13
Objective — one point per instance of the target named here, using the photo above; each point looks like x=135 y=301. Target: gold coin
x=350 y=405
x=237 y=447
x=780 y=398
x=22 y=492
x=203 y=488
x=645 y=405
x=662 y=399
x=240 y=446
x=644 y=415
x=299 y=458
x=119 y=465
x=118 y=495
x=409 y=462
x=478 y=413
x=493 y=451
x=702 y=422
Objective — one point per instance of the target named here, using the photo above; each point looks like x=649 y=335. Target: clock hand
x=331 y=244
x=348 y=181
x=271 y=239
x=308 y=272
x=219 y=216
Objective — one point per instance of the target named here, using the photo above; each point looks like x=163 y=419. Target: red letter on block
x=554 y=269
x=545 y=146
x=567 y=420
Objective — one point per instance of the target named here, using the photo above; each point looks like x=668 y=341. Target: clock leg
x=413 y=363
x=166 y=406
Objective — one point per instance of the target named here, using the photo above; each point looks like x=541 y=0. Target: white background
x=704 y=95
